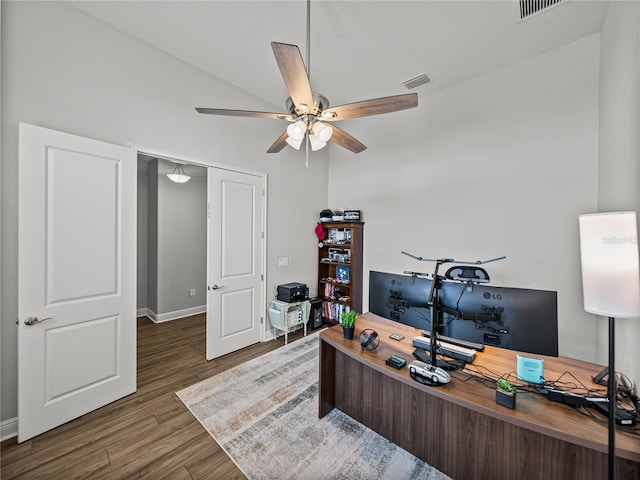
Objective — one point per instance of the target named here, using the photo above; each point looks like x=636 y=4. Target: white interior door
x=76 y=300
x=235 y=270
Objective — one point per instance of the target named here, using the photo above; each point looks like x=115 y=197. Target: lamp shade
x=295 y=143
x=295 y=133
x=316 y=143
x=610 y=270
x=296 y=130
x=322 y=131
x=178 y=175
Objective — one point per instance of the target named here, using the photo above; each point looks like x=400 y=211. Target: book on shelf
x=333 y=291
x=334 y=310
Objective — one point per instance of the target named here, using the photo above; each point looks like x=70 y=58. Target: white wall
x=142 y=259
x=152 y=232
x=501 y=165
x=64 y=70
x=181 y=241
x=172 y=258
x=619 y=170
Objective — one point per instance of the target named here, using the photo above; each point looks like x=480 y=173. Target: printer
x=293 y=292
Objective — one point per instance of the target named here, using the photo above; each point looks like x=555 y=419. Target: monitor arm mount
x=434 y=298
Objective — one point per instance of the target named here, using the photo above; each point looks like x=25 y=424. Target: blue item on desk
x=530 y=369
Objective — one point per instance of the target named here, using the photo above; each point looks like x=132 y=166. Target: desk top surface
x=533 y=411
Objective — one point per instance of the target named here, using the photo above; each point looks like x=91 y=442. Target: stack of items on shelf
x=333 y=311
x=339 y=255
x=294 y=316
x=334 y=293
x=340 y=215
x=339 y=235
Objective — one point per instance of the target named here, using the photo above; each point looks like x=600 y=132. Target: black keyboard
x=456 y=341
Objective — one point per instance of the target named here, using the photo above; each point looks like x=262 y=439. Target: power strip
x=623 y=417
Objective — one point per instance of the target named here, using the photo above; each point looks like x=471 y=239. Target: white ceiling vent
x=417 y=81
x=530 y=7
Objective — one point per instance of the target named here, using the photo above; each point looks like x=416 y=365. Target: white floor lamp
x=611 y=285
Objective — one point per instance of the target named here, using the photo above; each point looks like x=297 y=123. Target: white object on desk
x=287 y=316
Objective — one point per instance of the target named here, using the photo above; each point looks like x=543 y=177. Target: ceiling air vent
x=417 y=81
x=530 y=7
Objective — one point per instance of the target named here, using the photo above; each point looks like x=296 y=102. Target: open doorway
x=172 y=241
x=201 y=248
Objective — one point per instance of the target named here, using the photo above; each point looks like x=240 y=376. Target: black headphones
x=466 y=274
x=368 y=338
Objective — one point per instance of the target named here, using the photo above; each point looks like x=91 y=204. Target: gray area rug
x=264 y=414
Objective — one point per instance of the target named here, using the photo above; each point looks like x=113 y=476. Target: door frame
x=170 y=156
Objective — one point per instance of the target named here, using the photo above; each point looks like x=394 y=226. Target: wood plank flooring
x=149 y=434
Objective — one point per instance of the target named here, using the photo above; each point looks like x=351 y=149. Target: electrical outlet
x=192 y=292
x=283 y=262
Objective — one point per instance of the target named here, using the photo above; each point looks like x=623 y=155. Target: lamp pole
x=611 y=387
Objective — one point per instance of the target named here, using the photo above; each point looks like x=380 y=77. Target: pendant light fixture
x=178 y=174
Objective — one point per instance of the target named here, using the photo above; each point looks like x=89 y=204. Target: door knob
x=214 y=287
x=34 y=320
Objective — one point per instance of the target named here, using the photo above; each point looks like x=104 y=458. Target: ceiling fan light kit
x=295 y=133
x=319 y=134
x=308 y=111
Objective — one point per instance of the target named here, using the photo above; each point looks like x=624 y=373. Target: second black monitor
x=514 y=318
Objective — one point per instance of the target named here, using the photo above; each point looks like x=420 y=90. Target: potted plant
x=348 y=320
x=505 y=393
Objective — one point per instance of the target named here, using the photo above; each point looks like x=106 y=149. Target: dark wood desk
x=458 y=428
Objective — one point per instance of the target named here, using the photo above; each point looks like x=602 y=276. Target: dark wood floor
x=149 y=434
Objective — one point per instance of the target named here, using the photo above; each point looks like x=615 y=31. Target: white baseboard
x=165 y=317
x=8 y=429
x=151 y=314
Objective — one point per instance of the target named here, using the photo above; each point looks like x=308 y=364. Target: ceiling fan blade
x=294 y=74
x=279 y=144
x=370 y=107
x=244 y=113
x=345 y=140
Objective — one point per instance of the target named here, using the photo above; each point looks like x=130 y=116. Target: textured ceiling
x=359 y=49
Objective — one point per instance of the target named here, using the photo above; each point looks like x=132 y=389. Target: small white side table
x=286 y=317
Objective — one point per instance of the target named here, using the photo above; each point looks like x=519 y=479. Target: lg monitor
x=514 y=318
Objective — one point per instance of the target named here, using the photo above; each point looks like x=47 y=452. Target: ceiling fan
x=309 y=113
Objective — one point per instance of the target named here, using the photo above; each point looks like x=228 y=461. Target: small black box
x=396 y=362
x=315 y=316
x=293 y=292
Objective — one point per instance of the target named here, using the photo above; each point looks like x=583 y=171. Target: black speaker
x=315 y=316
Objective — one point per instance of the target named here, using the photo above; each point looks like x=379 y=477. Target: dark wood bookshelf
x=339 y=257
